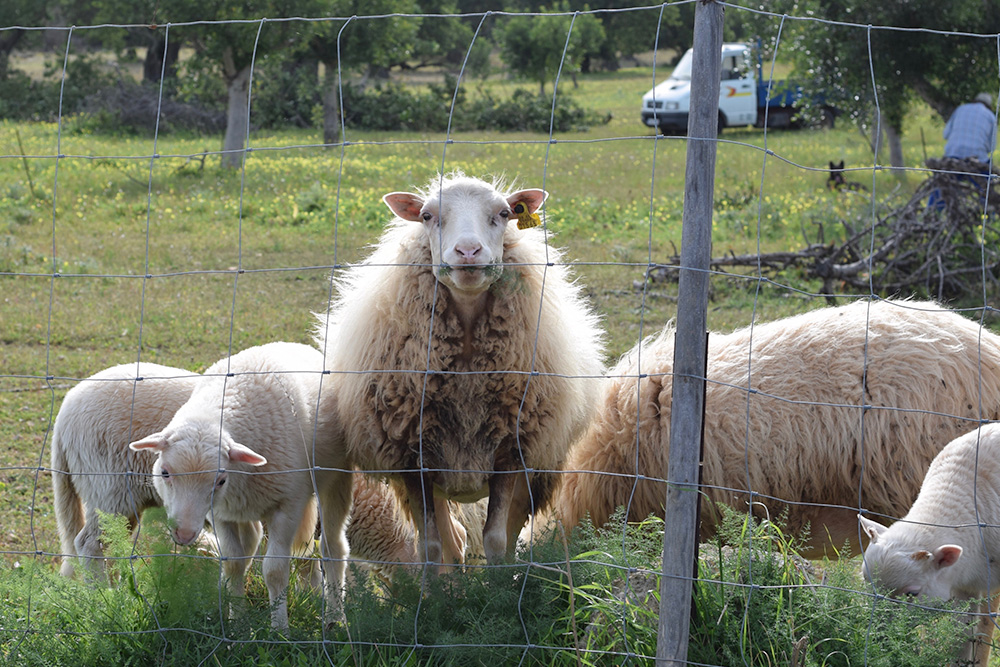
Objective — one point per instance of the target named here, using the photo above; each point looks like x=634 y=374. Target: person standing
x=971 y=131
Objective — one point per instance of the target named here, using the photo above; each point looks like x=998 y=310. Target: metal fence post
x=690 y=347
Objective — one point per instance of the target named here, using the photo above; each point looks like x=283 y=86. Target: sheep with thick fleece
x=382 y=537
x=463 y=358
x=92 y=467
x=842 y=406
x=947 y=546
x=242 y=450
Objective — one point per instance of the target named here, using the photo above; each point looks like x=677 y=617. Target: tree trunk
x=875 y=140
x=895 y=142
x=331 y=104
x=8 y=40
x=153 y=64
x=237 y=118
x=934 y=99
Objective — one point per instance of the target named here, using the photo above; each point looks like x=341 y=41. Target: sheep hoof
x=334 y=621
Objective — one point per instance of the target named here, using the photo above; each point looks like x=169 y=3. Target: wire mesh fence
x=513 y=411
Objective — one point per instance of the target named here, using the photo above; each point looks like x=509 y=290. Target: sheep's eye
x=165 y=473
x=426 y=216
x=505 y=213
x=220 y=482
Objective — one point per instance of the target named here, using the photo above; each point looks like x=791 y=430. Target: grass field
x=107 y=255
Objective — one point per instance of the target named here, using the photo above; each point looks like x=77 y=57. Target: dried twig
x=944 y=241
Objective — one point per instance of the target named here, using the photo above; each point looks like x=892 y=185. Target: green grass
x=236 y=259
x=591 y=600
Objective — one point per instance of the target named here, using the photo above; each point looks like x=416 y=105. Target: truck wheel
x=722 y=123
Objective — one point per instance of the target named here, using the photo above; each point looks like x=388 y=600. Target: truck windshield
x=733 y=65
x=683 y=69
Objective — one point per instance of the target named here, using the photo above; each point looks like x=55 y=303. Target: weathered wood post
x=690 y=342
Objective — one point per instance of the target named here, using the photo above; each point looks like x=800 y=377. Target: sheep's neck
x=470 y=308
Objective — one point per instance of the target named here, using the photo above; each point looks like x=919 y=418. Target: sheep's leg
x=89 y=549
x=519 y=511
x=454 y=537
x=424 y=516
x=495 y=530
x=334 y=506
x=237 y=545
x=281 y=529
x=310 y=575
x=978 y=650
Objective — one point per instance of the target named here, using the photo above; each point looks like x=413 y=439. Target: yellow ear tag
x=525 y=219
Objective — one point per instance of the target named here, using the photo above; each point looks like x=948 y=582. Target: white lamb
x=947 y=546
x=93 y=469
x=92 y=465
x=241 y=450
x=464 y=360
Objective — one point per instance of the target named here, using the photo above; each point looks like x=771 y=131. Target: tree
x=942 y=70
x=233 y=47
x=347 y=45
x=220 y=46
x=162 y=53
x=630 y=32
x=17 y=13
x=533 y=46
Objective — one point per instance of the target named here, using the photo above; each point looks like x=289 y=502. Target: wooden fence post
x=687 y=407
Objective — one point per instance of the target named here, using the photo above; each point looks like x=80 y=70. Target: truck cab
x=741 y=100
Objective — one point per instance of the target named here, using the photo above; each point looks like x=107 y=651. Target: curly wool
x=411 y=397
x=798 y=436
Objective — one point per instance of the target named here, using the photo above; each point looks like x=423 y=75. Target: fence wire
x=607 y=602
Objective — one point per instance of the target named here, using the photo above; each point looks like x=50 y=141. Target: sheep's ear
x=530 y=198
x=243 y=454
x=872 y=528
x=947 y=554
x=156 y=442
x=832 y=166
x=406 y=205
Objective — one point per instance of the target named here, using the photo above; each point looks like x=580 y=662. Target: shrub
x=131 y=108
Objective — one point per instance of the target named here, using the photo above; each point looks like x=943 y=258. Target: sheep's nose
x=468 y=251
x=183 y=536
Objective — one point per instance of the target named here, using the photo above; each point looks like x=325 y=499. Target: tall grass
x=757 y=602
x=591 y=599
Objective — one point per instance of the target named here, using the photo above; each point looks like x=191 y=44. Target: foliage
x=165 y=607
x=285 y=93
x=126 y=107
x=627 y=33
x=539 y=47
x=446 y=40
x=63 y=90
x=939 y=69
x=388 y=107
x=17 y=13
x=758 y=603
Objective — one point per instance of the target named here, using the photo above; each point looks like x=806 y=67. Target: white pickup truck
x=743 y=95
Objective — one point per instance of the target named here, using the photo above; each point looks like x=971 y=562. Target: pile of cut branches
x=943 y=242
